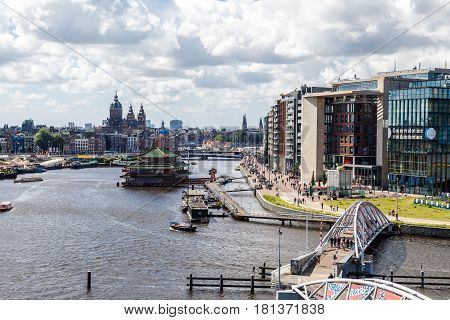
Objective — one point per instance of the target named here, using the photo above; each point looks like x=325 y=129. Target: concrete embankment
x=423 y=231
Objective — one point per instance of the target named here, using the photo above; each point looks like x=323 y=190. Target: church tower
x=130 y=115
x=115 y=113
x=142 y=117
x=244 y=123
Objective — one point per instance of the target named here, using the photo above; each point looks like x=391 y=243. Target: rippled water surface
x=77 y=220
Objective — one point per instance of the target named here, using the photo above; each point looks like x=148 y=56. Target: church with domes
x=116 y=122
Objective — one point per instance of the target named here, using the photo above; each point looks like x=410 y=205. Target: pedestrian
x=331 y=207
x=337 y=208
x=321 y=204
x=339 y=242
x=396 y=216
x=295 y=200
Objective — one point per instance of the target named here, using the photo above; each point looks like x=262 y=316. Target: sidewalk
x=287 y=191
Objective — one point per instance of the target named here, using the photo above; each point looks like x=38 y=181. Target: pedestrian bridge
x=359 y=226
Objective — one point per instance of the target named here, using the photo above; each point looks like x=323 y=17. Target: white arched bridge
x=341 y=249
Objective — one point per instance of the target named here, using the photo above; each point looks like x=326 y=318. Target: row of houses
x=389 y=129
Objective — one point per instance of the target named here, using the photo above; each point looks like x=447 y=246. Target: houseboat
x=198 y=212
x=189 y=196
x=5 y=206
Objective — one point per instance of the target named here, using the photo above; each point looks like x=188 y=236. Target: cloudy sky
x=204 y=62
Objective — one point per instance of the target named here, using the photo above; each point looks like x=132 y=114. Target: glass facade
x=357 y=85
x=418 y=131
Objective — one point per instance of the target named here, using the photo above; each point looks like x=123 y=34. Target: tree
x=43 y=139
x=296 y=169
x=313 y=180
x=57 y=142
x=324 y=178
x=218 y=138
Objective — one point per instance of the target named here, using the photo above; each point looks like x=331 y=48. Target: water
x=78 y=220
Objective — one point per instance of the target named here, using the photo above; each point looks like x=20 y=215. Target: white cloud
x=209 y=56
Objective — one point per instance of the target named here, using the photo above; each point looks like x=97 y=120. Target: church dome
x=116 y=105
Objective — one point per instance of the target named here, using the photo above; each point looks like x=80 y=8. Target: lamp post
x=396 y=195
x=279 y=257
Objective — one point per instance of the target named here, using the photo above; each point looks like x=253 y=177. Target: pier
x=239 y=213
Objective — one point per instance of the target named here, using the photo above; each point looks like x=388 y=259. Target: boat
x=5 y=206
x=197 y=211
x=193 y=163
x=28 y=179
x=182 y=227
x=81 y=165
x=8 y=174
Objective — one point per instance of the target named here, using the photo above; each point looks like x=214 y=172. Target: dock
x=239 y=213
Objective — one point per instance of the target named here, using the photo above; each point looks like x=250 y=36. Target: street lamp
x=396 y=196
x=279 y=257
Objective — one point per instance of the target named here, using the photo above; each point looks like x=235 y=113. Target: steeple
x=130 y=115
x=141 y=116
x=261 y=126
x=244 y=123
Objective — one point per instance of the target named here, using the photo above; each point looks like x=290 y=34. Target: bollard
x=221 y=283
x=118 y=184
x=392 y=276
x=252 y=288
x=89 y=280
x=263 y=271
x=190 y=282
x=423 y=280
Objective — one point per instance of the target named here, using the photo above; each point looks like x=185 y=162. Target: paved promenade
x=286 y=188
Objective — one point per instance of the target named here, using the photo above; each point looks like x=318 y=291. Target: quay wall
x=273 y=207
x=423 y=231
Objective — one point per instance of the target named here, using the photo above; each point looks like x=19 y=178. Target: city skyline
x=228 y=62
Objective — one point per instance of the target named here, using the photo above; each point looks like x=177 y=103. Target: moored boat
x=28 y=179
x=8 y=174
x=5 y=206
x=183 y=227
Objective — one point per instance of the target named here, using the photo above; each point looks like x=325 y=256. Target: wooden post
x=118 y=184
x=282 y=222
x=423 y=280
x=263 y=271
x=192 y=187
x=89 y=280
x=392 y=276
x=191 y=282
x=221 y=283
x=252 y=288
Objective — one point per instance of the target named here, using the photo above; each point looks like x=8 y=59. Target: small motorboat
x=5 y=206
x=28 y=179
x=182 y=227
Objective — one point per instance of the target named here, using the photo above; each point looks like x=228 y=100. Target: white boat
x=5 y=206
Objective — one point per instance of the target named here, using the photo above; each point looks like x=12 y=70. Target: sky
x=204 y=62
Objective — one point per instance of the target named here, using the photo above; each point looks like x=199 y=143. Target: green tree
x=43 y=139
x=218 y=138
x=313 y=180
x=324 y=178
x=296 y=169
x=57 y=141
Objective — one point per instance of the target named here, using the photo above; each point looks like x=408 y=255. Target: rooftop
x=159 y=153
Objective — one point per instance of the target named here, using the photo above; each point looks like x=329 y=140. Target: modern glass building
x=418 y=132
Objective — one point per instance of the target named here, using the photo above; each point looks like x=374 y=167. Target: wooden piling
x=89 y=280
x=221 y=283
x=263 y=271
x=118 y=184
x=392 y=276
x=422 y=279
x=191 y=282
x=252 y=287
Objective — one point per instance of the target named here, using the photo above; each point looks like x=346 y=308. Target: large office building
x=418 y=134
x=392 y=125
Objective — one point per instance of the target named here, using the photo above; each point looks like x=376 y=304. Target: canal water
x=78 y=220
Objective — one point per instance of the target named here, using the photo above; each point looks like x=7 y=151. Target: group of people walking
x=340 y=242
